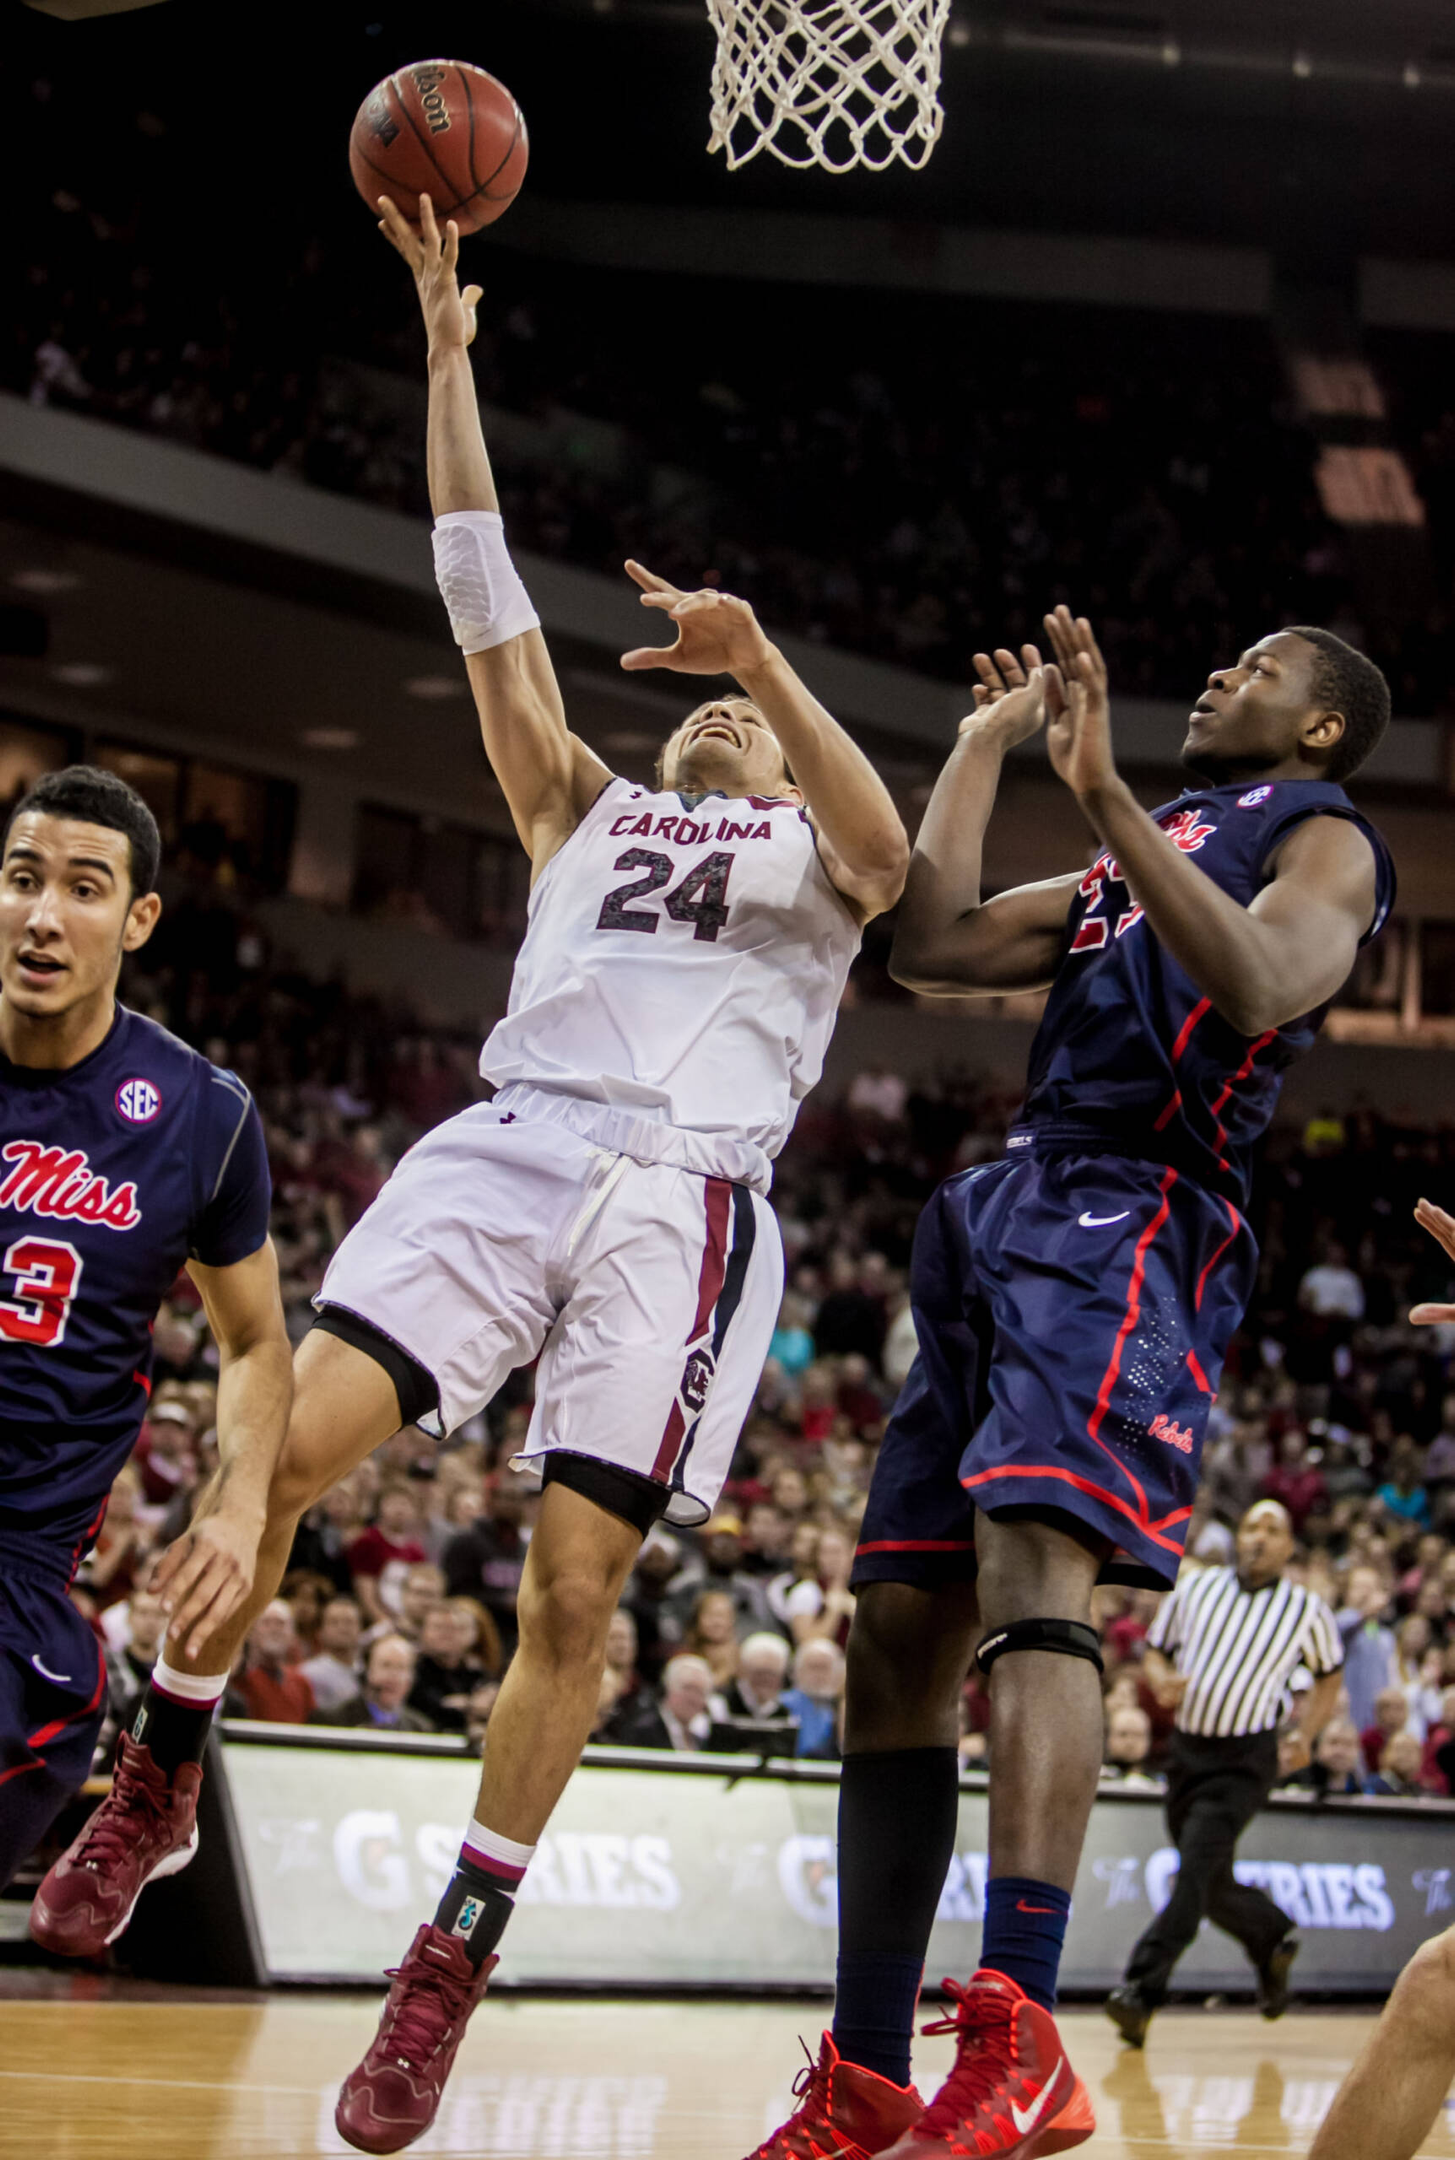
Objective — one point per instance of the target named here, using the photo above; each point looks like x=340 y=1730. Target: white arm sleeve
x=479 y=583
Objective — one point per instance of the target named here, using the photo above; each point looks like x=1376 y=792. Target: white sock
x=187 y=1687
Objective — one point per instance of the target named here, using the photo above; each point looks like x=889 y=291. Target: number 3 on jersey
x=701 y=898
x=47 y=1276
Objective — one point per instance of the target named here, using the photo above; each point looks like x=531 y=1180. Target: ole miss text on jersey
x=113 y=1173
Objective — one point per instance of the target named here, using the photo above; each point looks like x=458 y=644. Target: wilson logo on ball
x=138 y=1101
x=427 y=82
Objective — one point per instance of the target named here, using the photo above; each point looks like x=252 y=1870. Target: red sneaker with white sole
x=394 y=2095
x=842 y=2109
x=1011 y=2095
x=145 y=1828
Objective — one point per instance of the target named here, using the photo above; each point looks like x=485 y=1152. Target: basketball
x=445 y=129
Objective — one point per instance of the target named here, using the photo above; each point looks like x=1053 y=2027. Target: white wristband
x=479 y=583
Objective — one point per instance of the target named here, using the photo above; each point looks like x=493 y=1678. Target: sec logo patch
x=138 y=1101
x=1254 y=796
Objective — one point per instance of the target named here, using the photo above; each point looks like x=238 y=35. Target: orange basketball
x=445 y=129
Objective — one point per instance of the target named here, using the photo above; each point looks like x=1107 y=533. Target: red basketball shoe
x=1012 y=2094
x=145 y=1828
x=392 y=2097
x=842 y=2109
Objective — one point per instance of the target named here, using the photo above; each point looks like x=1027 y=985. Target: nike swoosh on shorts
x=61 y=1679
x=1096 y=1222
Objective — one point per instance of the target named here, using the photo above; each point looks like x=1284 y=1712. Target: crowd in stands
x=890 y=478
x=398 y=1610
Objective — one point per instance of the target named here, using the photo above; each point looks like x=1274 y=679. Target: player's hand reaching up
x=716 y=633
x=1079 y=735
x=1010 y=697
x=1442 y=1229
x=449 y=314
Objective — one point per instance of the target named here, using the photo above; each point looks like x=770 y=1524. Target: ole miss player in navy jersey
x=1073 y=1304
x=123 y=1157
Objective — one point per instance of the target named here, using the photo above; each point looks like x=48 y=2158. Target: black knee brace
x=1072 y=1638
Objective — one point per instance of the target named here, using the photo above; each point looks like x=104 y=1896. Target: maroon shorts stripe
x=719 y=1204
x=915 y=1544
x=714 y=1254
x=671 y=1441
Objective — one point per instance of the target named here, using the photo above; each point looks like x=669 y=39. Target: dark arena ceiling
x=1317 y=127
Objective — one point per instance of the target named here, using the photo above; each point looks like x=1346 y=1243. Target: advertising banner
x=667 y=1874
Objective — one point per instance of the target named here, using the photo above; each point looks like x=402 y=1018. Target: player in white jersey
x=687 y=947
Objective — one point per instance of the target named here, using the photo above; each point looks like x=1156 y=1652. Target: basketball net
x=835 y=83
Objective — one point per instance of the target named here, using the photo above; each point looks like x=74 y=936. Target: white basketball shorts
x=648 y=1291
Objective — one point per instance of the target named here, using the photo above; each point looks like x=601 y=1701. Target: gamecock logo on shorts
x=697 y=1378
x=1165 y=1428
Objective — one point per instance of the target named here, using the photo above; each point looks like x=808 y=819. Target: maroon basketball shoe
x=1012 y=2094
x=391 y=2098
x=842 y=2109
x=145 y=1828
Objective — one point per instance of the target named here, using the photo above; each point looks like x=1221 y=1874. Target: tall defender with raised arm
x=1073 y=1305
x=687 y=946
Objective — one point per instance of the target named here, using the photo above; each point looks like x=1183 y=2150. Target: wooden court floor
x=90 y=2073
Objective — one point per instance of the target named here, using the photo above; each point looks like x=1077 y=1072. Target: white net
x=836 y=83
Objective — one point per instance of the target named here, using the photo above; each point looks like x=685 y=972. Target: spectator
x=333 y=1672
x=822 y=1604
x=1295 y=1481
x=270 y=1686
x=682 y=1718
x=1128 y=1744
x=721 y=1568
x=163 y=1453
x=1391 y=1716
x=1403 y=1493
x=487 y=1560
x=711 y=1635
x=305 y=1594
x=621 y=1653
x=815 y=1698
x=1399 y=1771
x=443 y=1676
x=1331 y=1289
x=756 y=1692
x=650 y=1601
x=380 y=1557
x=384 y=1702
x=1337 y=1770
x=422 y=1589
x=129 y=1665
x=476 y=1635
x=1368 y=1644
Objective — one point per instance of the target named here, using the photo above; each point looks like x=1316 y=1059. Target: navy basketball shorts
x=1073 y=1313
x=52 y=1702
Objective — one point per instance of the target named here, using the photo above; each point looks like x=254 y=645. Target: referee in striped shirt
x=1223 y=1648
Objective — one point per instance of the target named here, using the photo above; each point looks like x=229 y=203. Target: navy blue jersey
x=112 y=1174
x=1129 y=1049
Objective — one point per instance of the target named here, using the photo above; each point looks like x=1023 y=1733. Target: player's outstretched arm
x=1263 y=965
x=207 y=1573
x=549 y=776
x=860 y=835
x=948 y=942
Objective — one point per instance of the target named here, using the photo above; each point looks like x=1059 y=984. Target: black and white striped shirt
x=1239 y=1649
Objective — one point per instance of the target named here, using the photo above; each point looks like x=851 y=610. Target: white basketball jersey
x=683 y=963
